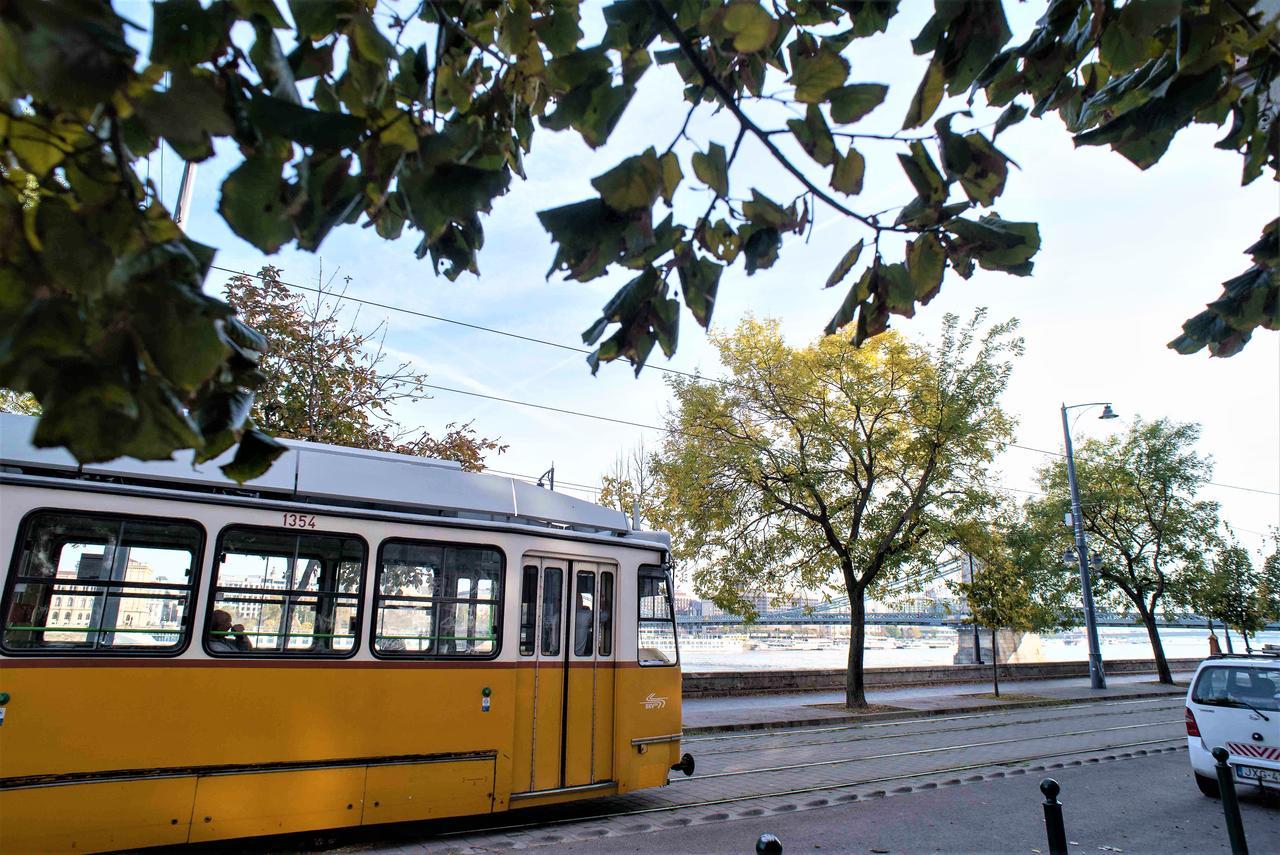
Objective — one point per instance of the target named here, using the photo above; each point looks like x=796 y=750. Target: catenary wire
x=546 y=343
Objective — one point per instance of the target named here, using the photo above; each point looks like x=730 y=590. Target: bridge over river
x=837 y=613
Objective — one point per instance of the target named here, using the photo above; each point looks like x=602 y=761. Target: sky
x=1126 y=257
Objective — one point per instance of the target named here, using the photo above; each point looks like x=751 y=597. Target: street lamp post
x=1097 y=678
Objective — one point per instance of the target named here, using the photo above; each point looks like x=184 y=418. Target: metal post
x=768 y=845
x=1097 y=677
x=1053 y=826
x=1230 y=807
x=185 y=189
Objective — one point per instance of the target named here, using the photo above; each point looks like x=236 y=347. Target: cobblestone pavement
x=772 y=772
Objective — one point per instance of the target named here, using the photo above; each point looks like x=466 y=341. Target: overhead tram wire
x=468 y=325
x=546 y=343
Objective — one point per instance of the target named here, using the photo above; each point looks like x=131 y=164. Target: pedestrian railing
x=1055 y=827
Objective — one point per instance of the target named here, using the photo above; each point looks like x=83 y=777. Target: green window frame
x=438 y=600
x=122 y=585
x=288 y=593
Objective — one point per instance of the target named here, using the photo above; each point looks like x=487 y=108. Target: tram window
x=552 y=600
x=657 y=625
x=528 y=609
x=437 y=600
x=281 y=593
x=132 y=578
x=584 y=613
x=606 y=614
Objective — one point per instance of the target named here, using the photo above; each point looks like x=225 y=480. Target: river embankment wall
x=707 y=684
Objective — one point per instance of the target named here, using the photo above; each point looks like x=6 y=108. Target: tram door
x=567 y=644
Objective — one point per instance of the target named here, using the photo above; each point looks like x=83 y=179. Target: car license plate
x=1254 y=773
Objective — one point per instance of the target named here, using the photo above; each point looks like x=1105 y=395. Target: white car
x=1234 y=703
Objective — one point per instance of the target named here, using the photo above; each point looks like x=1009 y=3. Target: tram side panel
x=129 y=726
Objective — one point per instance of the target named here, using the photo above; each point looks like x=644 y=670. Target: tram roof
x=340 y=475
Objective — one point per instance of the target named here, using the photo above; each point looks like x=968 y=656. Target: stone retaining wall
x=713 y=683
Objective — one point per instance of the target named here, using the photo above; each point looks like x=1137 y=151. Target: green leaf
x=712 y=169
x=314 y=128
x=188 y=114
x=927 y=98
x=850 y=103
x=634 y=183
x=926 y=261
x=924 y=174
x=1012 y=114
x=761 y=247
x=266 y=8
x=699 y=279
x=254 y=456
x=979 y=166
x=253 y=203
x=998 y=244
x=856 y=297
x=814 y=136
x=184 y=33
x=750 y=26
x=897 y=290
x=816 y=74
x=847 y=261
x=316 y=19
x=369 y=41
x=849 y=171
x=671 y=175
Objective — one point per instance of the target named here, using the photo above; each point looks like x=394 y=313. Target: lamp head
x=1069 y=557
x=1095 y=561
x=1108 y=413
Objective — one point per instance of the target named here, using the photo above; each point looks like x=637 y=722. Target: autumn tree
x=337 y=113
x=328 y=380
x=830 y=467
x=1142 y=516
x=1015 y=585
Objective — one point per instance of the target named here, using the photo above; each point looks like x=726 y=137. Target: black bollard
x=768 y=845
x=1230 y=807
x=1053 y=826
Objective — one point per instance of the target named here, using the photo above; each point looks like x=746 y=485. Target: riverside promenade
x=817 y=708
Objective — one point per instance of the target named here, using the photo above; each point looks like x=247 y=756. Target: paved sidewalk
x=801 y=709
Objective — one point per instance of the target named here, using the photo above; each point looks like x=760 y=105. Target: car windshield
x=1240 y=686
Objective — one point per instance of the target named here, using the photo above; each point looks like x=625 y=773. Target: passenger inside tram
x=226 y=637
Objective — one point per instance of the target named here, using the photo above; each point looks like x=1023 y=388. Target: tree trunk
x=995 y=663
x=1248 y=648
x=1226 y=631
x=1157 y=648
x=855 y=691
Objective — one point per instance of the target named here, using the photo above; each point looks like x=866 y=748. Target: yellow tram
x=354 y=638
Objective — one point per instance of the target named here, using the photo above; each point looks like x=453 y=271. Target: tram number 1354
x=300 y=520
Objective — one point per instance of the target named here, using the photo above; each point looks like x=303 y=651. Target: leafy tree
x=1138 y=495
x=339 y=116
x=1014 y=587
x=1234 y=590
x=829 y=466
x=323 y=381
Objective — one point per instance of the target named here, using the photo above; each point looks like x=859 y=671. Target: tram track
x=856 y=738
x=1166 y=743
x=903 y=722
x=922 y=751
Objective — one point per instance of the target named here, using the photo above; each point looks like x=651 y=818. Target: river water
x=935 y=646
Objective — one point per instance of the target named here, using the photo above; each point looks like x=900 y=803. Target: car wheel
x=1208 y=786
